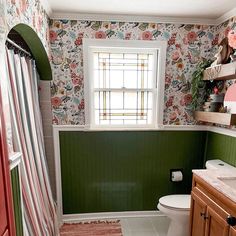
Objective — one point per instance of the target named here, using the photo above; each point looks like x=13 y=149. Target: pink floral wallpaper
x=29 y=12
x=187 y=44
x=223 y=29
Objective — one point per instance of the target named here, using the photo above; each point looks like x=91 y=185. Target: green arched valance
x=37 y=49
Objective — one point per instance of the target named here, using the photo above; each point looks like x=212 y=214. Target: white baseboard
x=73 y=218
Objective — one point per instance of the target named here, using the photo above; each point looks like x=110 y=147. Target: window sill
x=87 y=128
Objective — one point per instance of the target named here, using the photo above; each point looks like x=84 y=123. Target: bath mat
x=92 y=228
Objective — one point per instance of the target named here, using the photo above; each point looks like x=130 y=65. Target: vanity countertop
x=222 y=180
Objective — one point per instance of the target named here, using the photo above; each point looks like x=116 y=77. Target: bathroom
x=110 y=152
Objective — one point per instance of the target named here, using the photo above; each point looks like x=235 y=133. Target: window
x=121 y=82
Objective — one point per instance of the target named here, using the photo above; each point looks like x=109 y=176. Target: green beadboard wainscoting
x=17 y=201
x=125 y=171
x=219 y=146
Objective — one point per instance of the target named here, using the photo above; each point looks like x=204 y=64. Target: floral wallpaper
x=29 y=12
x=187 y=44
x=2 y=25
x=223 y=29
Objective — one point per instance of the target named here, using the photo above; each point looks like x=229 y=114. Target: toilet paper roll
x=177 y=176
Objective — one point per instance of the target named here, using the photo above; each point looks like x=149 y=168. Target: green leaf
x=197 y=82
x=96 y=25
x=143 y=26
x=109 y=33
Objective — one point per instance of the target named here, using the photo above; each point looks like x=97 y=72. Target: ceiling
x=210 y=9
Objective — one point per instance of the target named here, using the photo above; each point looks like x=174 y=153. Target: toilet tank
x=219 y=165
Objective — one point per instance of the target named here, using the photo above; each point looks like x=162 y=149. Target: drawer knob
x=231 y=220
x=205 y=217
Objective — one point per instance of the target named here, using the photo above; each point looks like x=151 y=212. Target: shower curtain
x=39 y=210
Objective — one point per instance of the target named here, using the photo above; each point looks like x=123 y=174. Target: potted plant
x=198 y=85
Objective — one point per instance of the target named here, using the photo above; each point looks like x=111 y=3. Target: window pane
x=96 y=79
x=130 y=79
x=116 y=79
x=116 y=55
x=123 y=106
x=130 y=122
x=96 y=117
x=96 y=61
x=116 y=100
x=130 y=100
x=120 y=76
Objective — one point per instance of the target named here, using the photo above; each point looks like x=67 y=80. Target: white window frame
x=90 y=45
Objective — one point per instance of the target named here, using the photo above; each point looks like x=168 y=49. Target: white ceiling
x=209 y=9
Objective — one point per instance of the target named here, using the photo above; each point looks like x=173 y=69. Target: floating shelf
x=220 y=72
x=216 y=117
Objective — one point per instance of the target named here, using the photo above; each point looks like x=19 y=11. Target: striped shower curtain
x=39 y=209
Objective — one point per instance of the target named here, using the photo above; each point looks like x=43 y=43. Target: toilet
x=177 y=209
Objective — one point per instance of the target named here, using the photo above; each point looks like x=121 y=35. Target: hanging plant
x=197 y=82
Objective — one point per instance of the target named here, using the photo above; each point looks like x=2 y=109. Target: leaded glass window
x=124 y=82
x=123 y=88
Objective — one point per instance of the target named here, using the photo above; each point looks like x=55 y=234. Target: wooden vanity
x=213 y=213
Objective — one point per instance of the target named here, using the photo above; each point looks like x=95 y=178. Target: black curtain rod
x=18 y=47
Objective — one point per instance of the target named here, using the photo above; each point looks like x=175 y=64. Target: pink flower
x=168 y=79
x=23 y=5
x=55 y=121
x=78 y=41
x=175 y=56
x=178 y=46
x=232 y=39
x=56 y=101
x=128 y=35
x=215 y=41
x=147 y=35
x=52 y=35
x=81 y=105
x=73 y=75
x=226 y=32
x=172 y=39
x=191 y=36
x=186 y=100
x=169 y=102
x=75 y=81
x=39 y=22
x=100 y=35
x=73 y=65
x=173 y=116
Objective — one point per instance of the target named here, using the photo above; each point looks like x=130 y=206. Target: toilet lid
x=178 y=201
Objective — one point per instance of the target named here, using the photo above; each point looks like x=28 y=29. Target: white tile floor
x=145 y=226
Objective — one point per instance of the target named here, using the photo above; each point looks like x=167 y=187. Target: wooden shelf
x=220 y=72
x=216 y=117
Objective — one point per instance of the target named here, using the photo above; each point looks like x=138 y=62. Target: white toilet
x=177 y=209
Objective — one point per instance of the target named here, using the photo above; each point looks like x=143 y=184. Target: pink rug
x=92 y=228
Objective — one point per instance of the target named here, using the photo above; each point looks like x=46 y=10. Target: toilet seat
x=178 y=202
